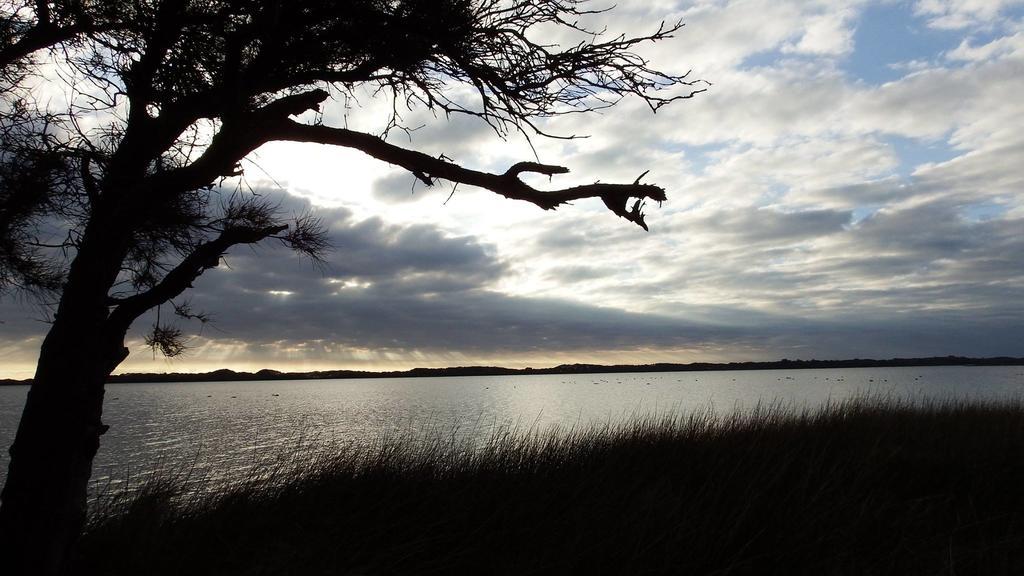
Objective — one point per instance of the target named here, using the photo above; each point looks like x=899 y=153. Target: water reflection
x=220 y=429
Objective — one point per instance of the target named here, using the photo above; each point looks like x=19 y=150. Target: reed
x=871 y=486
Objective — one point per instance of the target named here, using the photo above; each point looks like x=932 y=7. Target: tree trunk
x=43 y=503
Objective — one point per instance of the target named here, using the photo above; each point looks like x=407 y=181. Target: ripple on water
x=220 y=429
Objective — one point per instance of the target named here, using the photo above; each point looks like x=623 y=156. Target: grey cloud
x=574 y=274
x=752 y=225
x=22 y=318
x=938 y=231
x=470 y=322
x=868 y=193
x=402 y=187
x=404 y=288
x=944 y=235
x=560 y=239
x=923 y=262
x=373 y=251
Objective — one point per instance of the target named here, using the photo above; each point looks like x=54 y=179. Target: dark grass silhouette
x=863 y=487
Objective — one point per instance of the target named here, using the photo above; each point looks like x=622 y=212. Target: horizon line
x=575 y=368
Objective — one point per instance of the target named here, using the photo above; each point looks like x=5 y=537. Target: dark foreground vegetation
x=867 y=487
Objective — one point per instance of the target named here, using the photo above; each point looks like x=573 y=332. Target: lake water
x=219 y=428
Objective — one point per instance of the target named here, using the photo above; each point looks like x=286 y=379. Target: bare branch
x=179 y=279
x=547 y=169
x=236 y=139
x=184 y=310
x=615 y=196
x=50 y=29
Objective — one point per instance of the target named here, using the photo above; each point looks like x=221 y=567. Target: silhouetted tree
x=177 y=94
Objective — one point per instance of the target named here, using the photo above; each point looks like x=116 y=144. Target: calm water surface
x=196 y=425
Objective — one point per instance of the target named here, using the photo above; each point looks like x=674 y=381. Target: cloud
x=811 y=212
x=766 y=226
x=959 y=14
x=796 y=225
x=828 y=34
x=1006 y=46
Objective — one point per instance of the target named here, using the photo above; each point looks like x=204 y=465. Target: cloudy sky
x=850 y=186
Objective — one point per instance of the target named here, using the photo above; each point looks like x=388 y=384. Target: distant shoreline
x=226 y=375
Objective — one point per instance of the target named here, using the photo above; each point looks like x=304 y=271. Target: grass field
x=864 y=487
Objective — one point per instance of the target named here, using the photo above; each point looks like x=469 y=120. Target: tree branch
x=39 y=38
x=547 y=169
x=48 y=31
x=234 y=141
x=615 y=196
x=88 y=181
x=271 y=122
x=205 y=256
